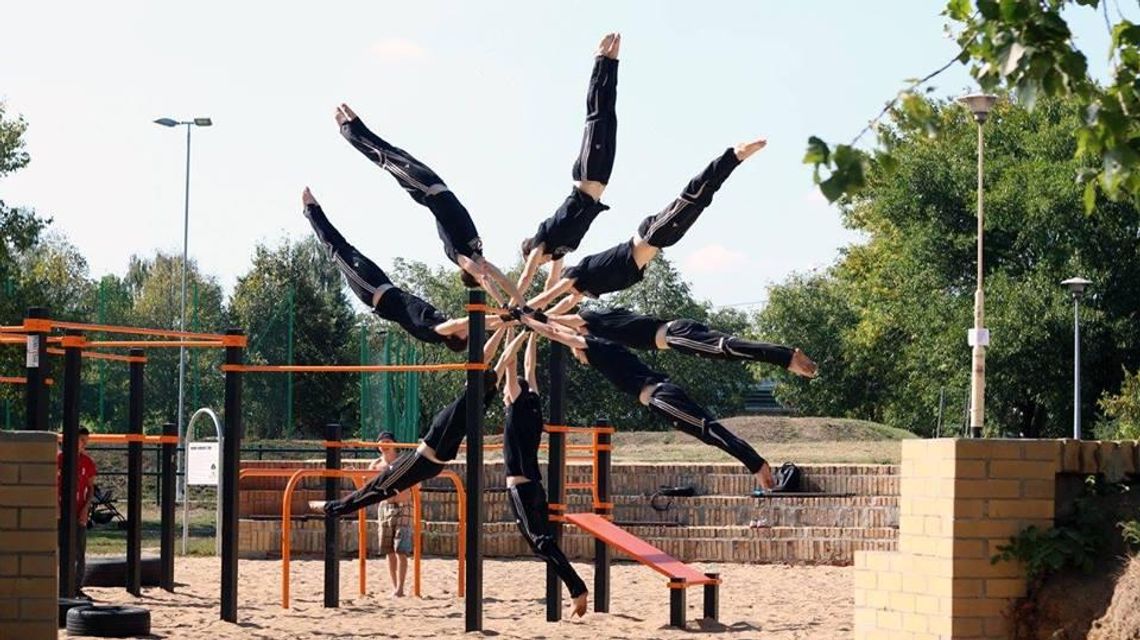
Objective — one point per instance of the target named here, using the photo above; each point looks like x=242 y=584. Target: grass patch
x=109 y=539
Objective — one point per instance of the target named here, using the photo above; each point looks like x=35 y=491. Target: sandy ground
x=757 y=601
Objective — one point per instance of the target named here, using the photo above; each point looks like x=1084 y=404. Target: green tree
x=295 y=283
x=1026 y=48
x=890 y=317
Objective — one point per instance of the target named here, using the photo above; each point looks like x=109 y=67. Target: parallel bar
x=167 y=455
x=231 y=461
x=152 y=344
x=474 y=567
x=140 y=331
x=69 y=582
x=95 y=355
x=556 y=470
x=603 y=507
x=332 y=528
x=134 y=479
x=712 y=598
x=352 y=368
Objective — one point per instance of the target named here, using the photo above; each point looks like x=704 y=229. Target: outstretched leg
x=528 y=503
x=456 y=228
x=696 y=339
x=672 y=403
x=406 y=472
x=595 y=160
x=668 y=227
x=366 y=280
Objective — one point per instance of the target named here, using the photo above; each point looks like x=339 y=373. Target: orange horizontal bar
x=350 y=368
x=561 y=428
x=128 y=437
x=95 y=355
x=498 y=311
x=19 y=328
x=149 y=344
x=556 y=506
x=364 y=444
x=603 y=505
x=20 y=380
x=39 y=325
x=579 y=485
x=141 y=331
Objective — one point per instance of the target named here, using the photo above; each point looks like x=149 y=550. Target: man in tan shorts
x=395 y=517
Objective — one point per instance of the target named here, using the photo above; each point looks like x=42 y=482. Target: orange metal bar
x=128 y=437
x=579 y=485
x=95 y=355
x=22 y=380
x=140 y=331
x=561 y=428
x=151 y=344
x=350 y=368
x=364 y=444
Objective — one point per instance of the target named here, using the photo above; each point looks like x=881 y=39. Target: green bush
x=1121 y=411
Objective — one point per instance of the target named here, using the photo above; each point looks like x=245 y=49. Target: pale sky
x=490 y=94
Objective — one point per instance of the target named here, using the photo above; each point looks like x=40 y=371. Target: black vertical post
x=69 y=583
x=556 y=473
x=474 y=567
x=712 y=598
x=677 y=603
x=601 y=549
x=158 y=478
x=134 y=475
x=332 y=529
x=168 y=476
x=231 y=462
x=38 y=371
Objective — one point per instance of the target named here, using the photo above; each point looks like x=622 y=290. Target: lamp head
x=980 y=104
x=166 y=122
x=1076 y=285
x=203 y=122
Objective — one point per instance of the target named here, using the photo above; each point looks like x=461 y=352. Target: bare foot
x=307 y=197
x=745 y=149
x=802 y=365
x=398 y=593
x=578 y=605
x=604 y=45
x=344 y=114
x=767 y=480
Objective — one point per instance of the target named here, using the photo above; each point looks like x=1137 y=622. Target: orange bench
x=681 y=576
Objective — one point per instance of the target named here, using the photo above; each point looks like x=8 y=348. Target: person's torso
x=623 y=326
x=611 y=270
x=621 y=367
x=522 y=435
x=414 y=314
x=562 y=232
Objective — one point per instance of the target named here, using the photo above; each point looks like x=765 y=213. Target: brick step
x=634 y=478
x=798 y=545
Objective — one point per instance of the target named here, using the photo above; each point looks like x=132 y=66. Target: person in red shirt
x=84 y=490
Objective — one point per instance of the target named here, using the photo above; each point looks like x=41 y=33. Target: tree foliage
x=1027 y=49
x=889 y=320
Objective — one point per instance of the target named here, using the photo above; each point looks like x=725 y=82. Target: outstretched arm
x=532 y=362
x=572 y=340
x=533 y=259
x=565 y=304
x=555 y=274
x=495 y=275
x=546 y=297
x=455 y=325
x=492 y=345
x=508 y=366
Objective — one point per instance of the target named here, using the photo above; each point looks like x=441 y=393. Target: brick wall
x=28 y=538
x=960 y=500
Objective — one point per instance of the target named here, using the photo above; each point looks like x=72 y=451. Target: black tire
x=108 y=621
x=112 y=572
x=67 y=604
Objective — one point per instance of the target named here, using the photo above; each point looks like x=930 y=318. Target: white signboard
x=33 y=359
x=202 y=464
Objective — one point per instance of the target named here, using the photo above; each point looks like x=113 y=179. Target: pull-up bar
x=351 y=368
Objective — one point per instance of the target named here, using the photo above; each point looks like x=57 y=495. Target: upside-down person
x=439 y=446
x=562 y=232
x=372 y=286
x=690 y=337
x=521 y=437
x=460 y=238
x=657 y=392
x=623 y=265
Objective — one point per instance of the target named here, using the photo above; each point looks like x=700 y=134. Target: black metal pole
x=332 y=530
x=231 y=462
x=134 y=475
x=712 y=598
x=556 y=473
x=601 y=549
x=69 y=582
x=36 y=396
x=677 y=604
x=474 y=567
x=168 y=454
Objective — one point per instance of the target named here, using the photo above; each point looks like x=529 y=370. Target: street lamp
x=978 y=338
x=1077 y=289
x=190 y=124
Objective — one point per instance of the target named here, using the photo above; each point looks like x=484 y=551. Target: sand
x=757 y=601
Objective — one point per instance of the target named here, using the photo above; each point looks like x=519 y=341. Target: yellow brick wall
x=28 y=538
x=960 y=500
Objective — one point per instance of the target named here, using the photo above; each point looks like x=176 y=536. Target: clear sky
x=490 y=94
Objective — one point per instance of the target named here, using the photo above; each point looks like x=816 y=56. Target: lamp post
x=189 y=124
x=979 y=338
x=1076 y=287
